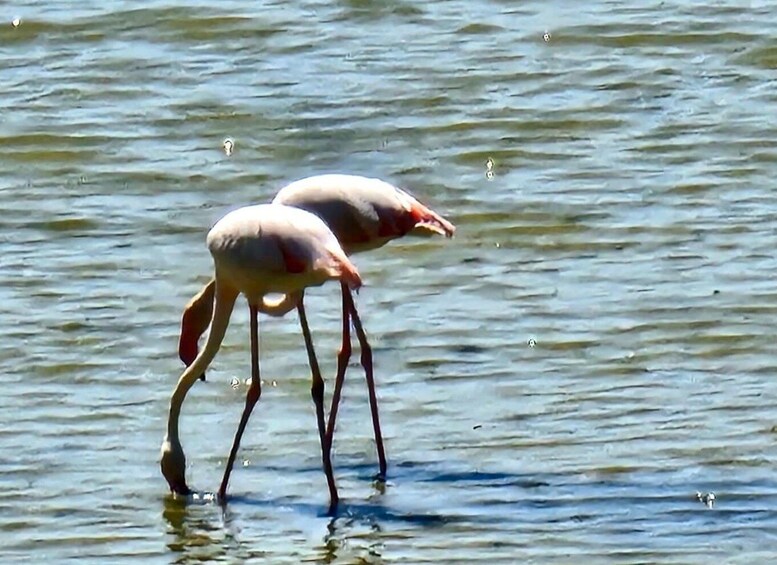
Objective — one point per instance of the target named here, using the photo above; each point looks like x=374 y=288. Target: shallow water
x=556 y=383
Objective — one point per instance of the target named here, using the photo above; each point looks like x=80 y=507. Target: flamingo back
x=364 y=213
x=273 y=248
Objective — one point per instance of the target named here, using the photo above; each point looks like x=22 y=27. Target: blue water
x=593 y=348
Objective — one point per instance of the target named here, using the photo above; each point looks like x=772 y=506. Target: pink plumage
x=257 y=250
x=362 y=213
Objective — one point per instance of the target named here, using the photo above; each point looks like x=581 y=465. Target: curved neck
x=224 y=304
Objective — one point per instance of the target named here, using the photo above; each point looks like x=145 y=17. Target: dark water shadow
x=416 y=471
x=206 y=530
x=627 y=506
x=347 y=510
x=404 y=472
x=664 y=497
x=202 y=520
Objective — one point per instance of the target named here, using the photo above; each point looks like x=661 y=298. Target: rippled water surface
x=556 y=383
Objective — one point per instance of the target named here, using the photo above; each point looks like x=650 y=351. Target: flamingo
x=258 y=250
x=364 y=214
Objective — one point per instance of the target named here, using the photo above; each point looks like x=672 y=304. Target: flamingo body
x=256 y=250
x=363 y=214
x=270 y=248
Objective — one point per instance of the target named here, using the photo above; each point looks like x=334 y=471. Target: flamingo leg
x=342 y=363
x=366 y=360
x=317 y=392
x=252 y=397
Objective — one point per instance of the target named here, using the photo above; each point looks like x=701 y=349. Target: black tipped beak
x=179 y=487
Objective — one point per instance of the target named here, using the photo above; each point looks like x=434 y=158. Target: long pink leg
x=342 y=363
x=366 y=360
x=252 y=397
x=317 y=391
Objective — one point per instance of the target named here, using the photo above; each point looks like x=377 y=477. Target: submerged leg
x=366 y=360
x=252 y=397
x=317 y=391
x=342 y=363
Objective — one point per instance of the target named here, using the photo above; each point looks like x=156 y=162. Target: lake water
x=556 y=383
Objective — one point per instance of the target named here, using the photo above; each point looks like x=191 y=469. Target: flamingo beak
x=179 y=486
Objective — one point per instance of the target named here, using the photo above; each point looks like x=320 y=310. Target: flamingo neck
x=188 y=378
x=223 y=306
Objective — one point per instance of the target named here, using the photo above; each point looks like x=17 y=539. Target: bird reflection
x=200 y=532
x=354 y=538
x=260 y=528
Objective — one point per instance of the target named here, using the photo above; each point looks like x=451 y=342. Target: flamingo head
x=194 y=321
x=173 y=465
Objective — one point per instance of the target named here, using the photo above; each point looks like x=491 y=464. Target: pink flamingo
x=363 y=213
x=258 y=250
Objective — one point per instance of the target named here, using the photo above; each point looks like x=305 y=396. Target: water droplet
x=546 y=36
x=489 y=164
x=532 y=342
x=235 y=382
x=274 y=383
x=708 y=499
x=490 y=175
x=16 y=22
x=229 y=146
x=246 y=462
